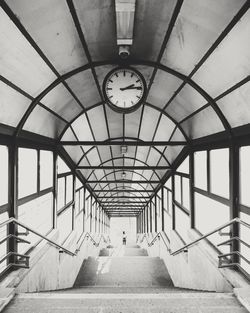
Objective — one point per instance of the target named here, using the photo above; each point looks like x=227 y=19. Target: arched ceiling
x=194 y=55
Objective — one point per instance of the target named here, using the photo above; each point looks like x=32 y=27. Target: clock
x=124 y=89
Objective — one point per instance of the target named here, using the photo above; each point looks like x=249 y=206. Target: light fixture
x=125 y=13
x=123 y=175
x=124 y=150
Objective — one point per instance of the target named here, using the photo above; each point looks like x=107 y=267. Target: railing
x=224 y=258
x=158 y=236
x=22 y=260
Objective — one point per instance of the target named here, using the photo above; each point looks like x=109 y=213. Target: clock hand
x=128 y=87
x=131 y=87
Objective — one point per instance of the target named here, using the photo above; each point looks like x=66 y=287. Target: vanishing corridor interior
x=175 y=166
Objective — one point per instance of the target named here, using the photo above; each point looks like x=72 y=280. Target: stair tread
x=124 y=303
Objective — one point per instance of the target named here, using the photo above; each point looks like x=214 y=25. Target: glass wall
x=182 y=199
x=211 y=193
x=4 y=184
x=244 y=203
x=35 y=192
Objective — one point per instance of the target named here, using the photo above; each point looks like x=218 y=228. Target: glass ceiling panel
x=84 y=87
x=202 y=124
x=155 y=20
x=186 y=102
x=104 y=152
x=229 y=63
x=142 y=153
x=132 y=122
x=172 y=152
x=178 y=136
x=97 y=19
x=98 y=123
x=115 y=123
x=12 y=105
x=53 y=30
x=19 y=62
x=198 y=25
x=163 y=88
x=165 y=129
x=81 y=128
x=149 y=121
x=44 y=123
x=74 y=152
x=69 y=135
x=62 y=102
x=235 y=106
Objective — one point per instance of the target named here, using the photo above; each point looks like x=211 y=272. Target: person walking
x=124 y=238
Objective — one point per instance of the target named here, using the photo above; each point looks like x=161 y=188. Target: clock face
x=124 y=89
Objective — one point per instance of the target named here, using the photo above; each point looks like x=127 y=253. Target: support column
x=13 y=196
x=173 y=199
x=191 y=188
x=155 y=214
x=162 y=210
x=234 y=197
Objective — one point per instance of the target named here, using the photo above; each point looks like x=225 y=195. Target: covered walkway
x=125 y=116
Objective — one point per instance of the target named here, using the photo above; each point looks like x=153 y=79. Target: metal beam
x=121 y=167
x=122 y=197
x=123 y=190
x=122 y=143
x=122 y=181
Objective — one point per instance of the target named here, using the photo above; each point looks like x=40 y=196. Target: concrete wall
x=51 y=270
x=197 y=268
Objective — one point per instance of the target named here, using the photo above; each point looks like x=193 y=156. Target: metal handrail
x=159 y=234
x=95 y=243
x=60 y=247
x=209 y=234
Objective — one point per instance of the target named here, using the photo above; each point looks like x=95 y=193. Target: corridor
x=125 y=121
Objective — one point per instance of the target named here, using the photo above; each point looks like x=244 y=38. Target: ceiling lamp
x=125 y=13
x=123 y=175
x=124 y=150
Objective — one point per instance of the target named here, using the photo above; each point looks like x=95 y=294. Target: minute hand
x=131 y=87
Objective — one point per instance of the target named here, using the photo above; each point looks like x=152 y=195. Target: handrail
x=159 y=234
x=235 y=220
x=95 y=243
x=60 y=247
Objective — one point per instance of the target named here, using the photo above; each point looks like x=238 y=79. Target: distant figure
x=124 y=238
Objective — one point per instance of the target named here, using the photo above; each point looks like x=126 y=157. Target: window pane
x=61 y=193
x=184 y=167
x=46 y=169
x=3 y=234
x=182 y=223
x=210 y=214
x=177 y=183
x=69 y=190
x=38 y=214
x=168 y=183
x=245 y=175
x=62 y=167
x=219 y=167
x=64 y=224
x=186 y=193
x=4 y=175
x=200 y=170
x=27 y=172
x=245 y=235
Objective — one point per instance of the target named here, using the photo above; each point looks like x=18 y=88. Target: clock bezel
x=112 y=105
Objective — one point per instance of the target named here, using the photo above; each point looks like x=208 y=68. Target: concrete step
x=125 y=303
x=125 y=251
x=134 y=271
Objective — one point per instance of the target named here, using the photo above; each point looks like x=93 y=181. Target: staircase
x=124 y=280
